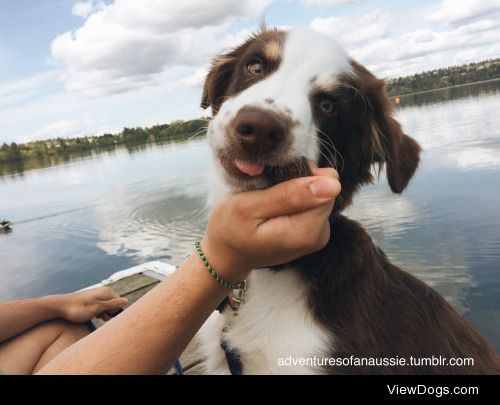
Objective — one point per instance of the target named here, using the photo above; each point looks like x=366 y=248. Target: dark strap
x=222 y=305
x=178 y=368
x=232 y=358
x=333 y=217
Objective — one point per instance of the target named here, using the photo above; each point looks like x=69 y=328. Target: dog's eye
x=327 y=106
x=255 y=67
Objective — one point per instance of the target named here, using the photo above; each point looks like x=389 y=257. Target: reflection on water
x=394 y=221
x=451 y=93
x=76 y=223
x=40 y=161
x=161 y=224
x=463 y=134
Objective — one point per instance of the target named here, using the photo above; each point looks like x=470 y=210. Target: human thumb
x=295 y=196
x=325 y=187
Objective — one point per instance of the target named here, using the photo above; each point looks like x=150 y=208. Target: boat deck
x=133 y=283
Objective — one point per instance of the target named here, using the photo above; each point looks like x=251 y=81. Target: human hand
x=82 y=306
x=267 y=227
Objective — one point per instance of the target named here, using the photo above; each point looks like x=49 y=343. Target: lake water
x=77 y=223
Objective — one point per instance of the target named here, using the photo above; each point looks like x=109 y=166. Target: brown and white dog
x=283 y=95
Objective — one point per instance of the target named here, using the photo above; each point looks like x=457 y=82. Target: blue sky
x=70 y=68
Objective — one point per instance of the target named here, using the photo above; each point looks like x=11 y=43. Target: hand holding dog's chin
x=268 y=227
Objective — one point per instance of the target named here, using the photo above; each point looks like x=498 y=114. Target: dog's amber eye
x=327 y=106
x=255 y=68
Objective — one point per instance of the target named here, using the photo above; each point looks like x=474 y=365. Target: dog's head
x=282 y=95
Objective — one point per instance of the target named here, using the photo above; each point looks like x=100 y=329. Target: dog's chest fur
x=274 y=323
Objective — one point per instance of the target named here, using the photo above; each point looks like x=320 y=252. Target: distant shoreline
x=444 y=88
x=55 y=150
x=52 y=151
x=441 y=78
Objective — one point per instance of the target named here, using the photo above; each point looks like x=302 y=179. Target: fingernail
x=325 y=187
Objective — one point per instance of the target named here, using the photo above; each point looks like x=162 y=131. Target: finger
x=104 y=316
x=105 y=293
x=113 y=305
x=313 y=221
x=291 y=197
x=325 y=171
x=302 y=233
x=297 y=227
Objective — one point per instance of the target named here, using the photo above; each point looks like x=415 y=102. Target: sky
x=75 y=68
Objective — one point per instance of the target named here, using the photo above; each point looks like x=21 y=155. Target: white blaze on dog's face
x=284 y=95
x=283 y=77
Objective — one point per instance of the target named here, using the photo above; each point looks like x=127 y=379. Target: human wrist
x=226 y=264
x=56 y=305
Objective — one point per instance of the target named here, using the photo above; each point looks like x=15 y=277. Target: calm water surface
x=76 y=223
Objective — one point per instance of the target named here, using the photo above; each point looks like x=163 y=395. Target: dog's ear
x=403 y=156
x=217 y=81
x=389 y=145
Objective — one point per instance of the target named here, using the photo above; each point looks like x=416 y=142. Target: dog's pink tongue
x=252 y=169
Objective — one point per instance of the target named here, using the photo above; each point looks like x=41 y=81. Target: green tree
x=15 y=152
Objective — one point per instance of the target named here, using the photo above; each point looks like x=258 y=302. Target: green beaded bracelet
x=213 y=273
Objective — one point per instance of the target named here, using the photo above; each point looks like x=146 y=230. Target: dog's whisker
x=327 y=148
x=328 y=143
x=333 y=147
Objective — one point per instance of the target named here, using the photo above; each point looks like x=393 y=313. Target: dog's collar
x=234 y=298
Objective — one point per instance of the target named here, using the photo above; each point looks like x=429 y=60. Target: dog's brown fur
x=372 y=308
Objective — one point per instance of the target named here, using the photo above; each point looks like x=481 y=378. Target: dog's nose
x=259 y=131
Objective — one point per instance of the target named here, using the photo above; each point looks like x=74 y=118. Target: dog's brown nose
x=259 y=131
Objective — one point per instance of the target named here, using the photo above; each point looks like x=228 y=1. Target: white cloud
x=398 y=44
x=16 y=91
x=424 y=49
x=234 y=39
x=196 y=79
x=459 y=12
x=353 y=32
x=314 y=3
x=85 y=8
x=149 y=57
x=69 y=129
x=124 y=45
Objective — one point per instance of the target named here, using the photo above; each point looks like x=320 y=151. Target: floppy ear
x=399 y=152
x=217 y=82
x=403 y=156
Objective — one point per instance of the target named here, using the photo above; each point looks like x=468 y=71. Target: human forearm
x=242 y=233
x=151 y=334
x=19 y=316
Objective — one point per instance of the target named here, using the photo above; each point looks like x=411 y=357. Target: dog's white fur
x=275 y=320
x=274 y=323
x=309 y=60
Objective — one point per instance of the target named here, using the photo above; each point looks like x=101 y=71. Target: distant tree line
x=58 y=148
x=445 y=77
